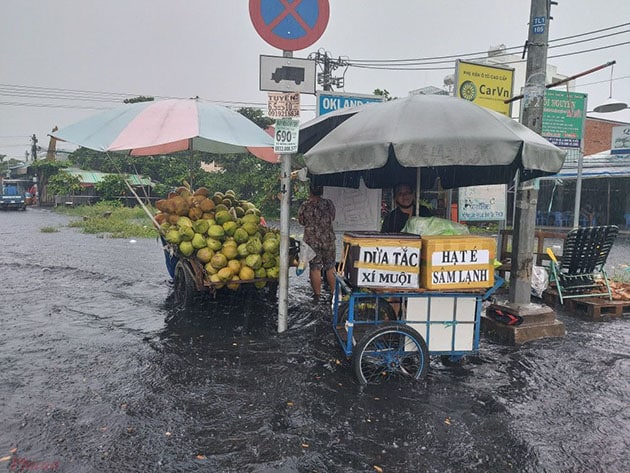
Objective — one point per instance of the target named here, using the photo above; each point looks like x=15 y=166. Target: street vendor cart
x=401 y=298
x=431 y=138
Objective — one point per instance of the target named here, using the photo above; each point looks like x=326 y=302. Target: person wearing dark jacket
x=404 y=197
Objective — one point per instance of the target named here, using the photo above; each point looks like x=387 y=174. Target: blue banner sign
x=331 y=101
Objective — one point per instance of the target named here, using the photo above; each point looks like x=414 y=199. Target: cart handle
x=498 y=282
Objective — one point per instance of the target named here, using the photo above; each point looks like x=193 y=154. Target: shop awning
x=600 y=165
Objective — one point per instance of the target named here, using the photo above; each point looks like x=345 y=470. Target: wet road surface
x=93 y=379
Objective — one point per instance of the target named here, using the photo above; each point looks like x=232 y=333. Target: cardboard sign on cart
x=457 y=262
x=381 y=260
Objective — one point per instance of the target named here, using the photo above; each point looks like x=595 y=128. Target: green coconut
x=173 y=236
x=186 y=248
x=198 y=241
x=213 y=244
x=204 y=254
x=216 y=231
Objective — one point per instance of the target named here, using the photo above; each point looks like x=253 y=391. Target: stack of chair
x=580 y=271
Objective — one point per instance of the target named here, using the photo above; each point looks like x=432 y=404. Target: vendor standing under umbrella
x=404 y=197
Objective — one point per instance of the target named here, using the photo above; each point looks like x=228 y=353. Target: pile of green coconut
x=221 y=232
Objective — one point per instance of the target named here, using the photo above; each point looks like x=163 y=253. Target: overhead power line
x=506 y=50
x=49 y=97
x=407 y=64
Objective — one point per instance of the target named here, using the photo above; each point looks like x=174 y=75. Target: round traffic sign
x=289 y=25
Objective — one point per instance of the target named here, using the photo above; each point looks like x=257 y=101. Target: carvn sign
x=289 y=25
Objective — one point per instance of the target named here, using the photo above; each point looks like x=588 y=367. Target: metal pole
x=527 y=193
x=285 y=208
x=608 y=204
x=578 y=180
x=283 y=287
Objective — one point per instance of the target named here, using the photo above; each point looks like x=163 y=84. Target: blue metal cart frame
x=388 y=346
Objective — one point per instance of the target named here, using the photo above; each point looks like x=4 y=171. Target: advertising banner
x=620 y=140
x=286 y=135
x=487 y=86
x=482 y=203
x=563 y=118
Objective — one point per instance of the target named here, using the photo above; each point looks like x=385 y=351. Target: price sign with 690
x=286 y=136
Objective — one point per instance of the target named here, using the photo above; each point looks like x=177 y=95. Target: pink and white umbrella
x=168 y=126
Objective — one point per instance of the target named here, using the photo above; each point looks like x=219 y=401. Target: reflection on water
x=93 y=377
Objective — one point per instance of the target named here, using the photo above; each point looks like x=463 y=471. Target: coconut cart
x=216 y=243
x=191 y=280
x=400 y=299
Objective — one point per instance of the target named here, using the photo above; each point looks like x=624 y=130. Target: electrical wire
x=418 y=64
x=409 y=68
x=396 y=65
x=512 y=48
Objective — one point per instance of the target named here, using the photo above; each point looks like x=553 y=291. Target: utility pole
x=325 y=78
x=527 y=191
x=34 y=147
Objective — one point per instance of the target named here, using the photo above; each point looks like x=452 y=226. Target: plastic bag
x=434 y=226
x=305 y=256
x=540 y=280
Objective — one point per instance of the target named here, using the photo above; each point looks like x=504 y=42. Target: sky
x=64 y=60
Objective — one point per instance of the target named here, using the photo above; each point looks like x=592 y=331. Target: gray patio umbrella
x=427 y=135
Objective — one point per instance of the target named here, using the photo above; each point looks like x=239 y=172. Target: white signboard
x=384 y=278
x=286 y=136
x=620 y=143
x=355 y=209
x=453 y=264
x=287 y=74
x=482 y=203
x=283 y=104
x=399 y=266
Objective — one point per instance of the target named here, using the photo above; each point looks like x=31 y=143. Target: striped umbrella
x=168 y=126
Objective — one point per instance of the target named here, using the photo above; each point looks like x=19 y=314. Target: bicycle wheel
x=390 y=351
x=183 y=286
x=366 y=311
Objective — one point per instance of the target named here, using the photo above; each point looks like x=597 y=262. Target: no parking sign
x=289 y=25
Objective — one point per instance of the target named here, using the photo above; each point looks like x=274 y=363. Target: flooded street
x=93 y=379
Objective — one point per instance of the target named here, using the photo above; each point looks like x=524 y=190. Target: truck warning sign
x=287 y=74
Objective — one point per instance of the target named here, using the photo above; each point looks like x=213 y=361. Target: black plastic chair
x=581 y=267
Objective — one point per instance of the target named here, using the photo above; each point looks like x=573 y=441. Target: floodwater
x=93 y=379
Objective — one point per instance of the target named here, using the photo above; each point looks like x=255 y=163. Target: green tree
x=384 y=93
x=63 y=183
x=112 y=187
x=45 y=170
x=256 y=115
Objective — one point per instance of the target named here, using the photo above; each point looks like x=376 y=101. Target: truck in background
x=16 y=194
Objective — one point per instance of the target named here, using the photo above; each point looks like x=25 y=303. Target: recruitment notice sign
x=487 y=86
x=283 y=105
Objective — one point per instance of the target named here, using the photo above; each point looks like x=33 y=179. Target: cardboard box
x=385 y=260
x=457 y=262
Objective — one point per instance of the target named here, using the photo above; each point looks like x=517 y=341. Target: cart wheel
x=389 y=351
x=365 y=311
x=183 y=287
